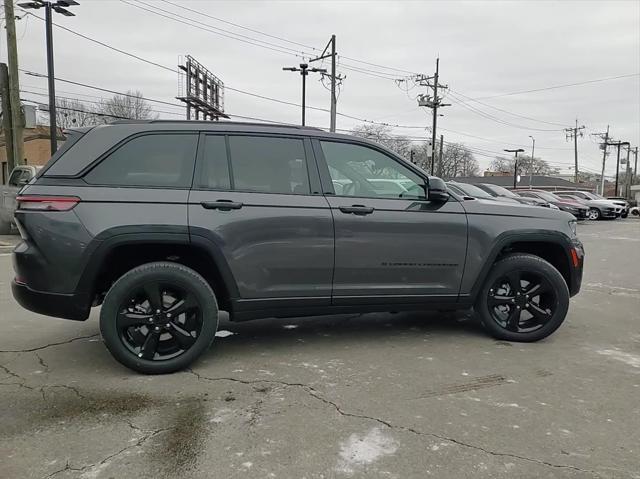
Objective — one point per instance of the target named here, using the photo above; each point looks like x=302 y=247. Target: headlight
x=573 y=225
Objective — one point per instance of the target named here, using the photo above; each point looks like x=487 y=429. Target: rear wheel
x=159 y=318
x=594 y=214
x=524 y=299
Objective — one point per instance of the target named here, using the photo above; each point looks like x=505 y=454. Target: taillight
x=47 y=203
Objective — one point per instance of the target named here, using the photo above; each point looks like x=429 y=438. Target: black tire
x=594 y=214
x=201 y=308
x=624 y=214
x=554 y=302
x=5 y=228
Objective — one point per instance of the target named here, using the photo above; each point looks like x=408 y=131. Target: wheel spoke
x=538 y=313
x=514 y=278
x=513 y=320
x=183 y=337
x=127 y=319
x=154 y=295
x=183 y=305
x=150 y=346
x=538 y=288
x=498 y=300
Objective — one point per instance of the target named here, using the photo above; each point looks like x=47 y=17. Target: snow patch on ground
x=361 y=450
x=223 y=333
x=632 y=360
x=290 y=326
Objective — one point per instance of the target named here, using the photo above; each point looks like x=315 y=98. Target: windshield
x=500 y=191
x=472 y=190
x=545 y=195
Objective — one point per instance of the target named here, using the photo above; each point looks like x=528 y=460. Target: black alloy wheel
x=524 y=298
x=159 y=321
x=159 y=317
x=521 y=301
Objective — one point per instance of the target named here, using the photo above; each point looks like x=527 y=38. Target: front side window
x=157 y=160
x=269 y=165
x=357 y=170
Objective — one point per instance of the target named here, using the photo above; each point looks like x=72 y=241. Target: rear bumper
x=66 y=306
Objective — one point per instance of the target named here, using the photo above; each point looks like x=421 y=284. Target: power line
x=558 y=86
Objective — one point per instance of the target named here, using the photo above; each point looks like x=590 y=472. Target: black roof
x=537 y=181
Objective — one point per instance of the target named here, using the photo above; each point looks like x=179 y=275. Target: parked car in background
x=574 y=207
x=621 y=201
x=500 y=192
x=600 y=207
x=466 y=189
x=20 y=176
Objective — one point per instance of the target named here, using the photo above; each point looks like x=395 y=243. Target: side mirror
x=438 y=190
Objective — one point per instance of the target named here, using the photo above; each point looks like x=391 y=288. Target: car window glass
x=214 y=167
x=269 y=165
x=363 y=171
x=161 y=160
x=15 y=177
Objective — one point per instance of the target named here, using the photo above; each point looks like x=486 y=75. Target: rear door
x=257 y=201
x=390 y=246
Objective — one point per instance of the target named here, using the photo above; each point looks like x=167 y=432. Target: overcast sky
x=486 y=49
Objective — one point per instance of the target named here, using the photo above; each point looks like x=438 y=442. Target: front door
x=258 y=203
x=392 y=244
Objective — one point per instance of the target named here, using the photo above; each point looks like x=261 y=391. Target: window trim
x=94 y=164
x=325 y=176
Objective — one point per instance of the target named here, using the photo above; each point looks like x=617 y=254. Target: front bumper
x=66 y=306
x=576 y=269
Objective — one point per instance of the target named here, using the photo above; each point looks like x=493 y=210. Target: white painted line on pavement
x=5 y=254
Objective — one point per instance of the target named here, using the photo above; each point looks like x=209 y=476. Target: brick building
x=37 y=149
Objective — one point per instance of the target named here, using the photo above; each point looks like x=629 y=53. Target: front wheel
x=159 y=318
x=624 y=214
x=524 y=299
x=594 y=214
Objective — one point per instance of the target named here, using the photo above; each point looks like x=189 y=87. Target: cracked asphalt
x=376 y=395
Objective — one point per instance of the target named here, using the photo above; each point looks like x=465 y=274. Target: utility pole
x=627 y=189
x=533 y=152
x=14 y=84
x=617 y=144
x=335 y=78
x=440 y=155
x=49 y=8
x=304 y=71
x=515 y=168
x=574 y=133
x=605 y=137
x=434 y=103
x=6 y=116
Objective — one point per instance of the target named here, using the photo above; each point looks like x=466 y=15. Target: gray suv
x=164 y=224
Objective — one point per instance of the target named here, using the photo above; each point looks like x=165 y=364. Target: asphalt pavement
x=375 y=395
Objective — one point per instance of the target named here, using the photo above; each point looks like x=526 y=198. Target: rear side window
x=269 y=165
x=160 y=160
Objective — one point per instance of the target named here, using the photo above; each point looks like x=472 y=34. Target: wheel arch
x=550 y=246
x=116 y=255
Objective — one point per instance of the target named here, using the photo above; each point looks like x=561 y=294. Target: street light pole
x=49 y=7
x=515 y=169
x=533 y=152
x=304 y=71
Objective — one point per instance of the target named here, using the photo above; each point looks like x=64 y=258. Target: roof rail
x=208 y=122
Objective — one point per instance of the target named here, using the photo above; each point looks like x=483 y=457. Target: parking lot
x=376 y=395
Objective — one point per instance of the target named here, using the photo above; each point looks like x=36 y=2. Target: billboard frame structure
x=200 y=90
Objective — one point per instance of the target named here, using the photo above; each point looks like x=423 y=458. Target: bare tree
x=70 y=113
x=457 y=160
x=130 y=106
x=526 y=166
x=382 y=134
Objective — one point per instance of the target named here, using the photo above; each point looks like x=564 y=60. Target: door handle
x=222 y=205
x=359 y=210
